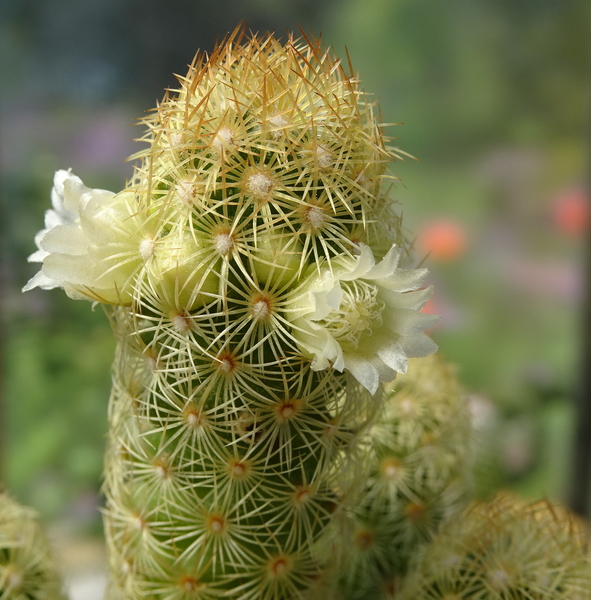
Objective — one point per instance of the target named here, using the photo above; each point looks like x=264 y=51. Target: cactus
x=419 y=449
x=259 y=291
x=27 y=570
x=505 y=549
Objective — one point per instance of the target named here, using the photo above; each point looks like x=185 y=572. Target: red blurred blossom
x=444 y=240
x=571 y=213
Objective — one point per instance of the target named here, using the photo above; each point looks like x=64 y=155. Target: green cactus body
x=252 y=265
x=504 y=549
x=419 y=448
x=217 y=484
x=27 y=570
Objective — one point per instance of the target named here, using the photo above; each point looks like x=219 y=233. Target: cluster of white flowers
x=358 y=316
x=87 y=247
x=365 y=318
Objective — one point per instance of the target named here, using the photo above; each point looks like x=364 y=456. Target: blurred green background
x=491 y=95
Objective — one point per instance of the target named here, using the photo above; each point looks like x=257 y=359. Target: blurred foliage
x=494 y=97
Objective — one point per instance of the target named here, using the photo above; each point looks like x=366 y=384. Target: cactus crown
x=266 y=163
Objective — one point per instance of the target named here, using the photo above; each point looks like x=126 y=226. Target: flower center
x=360 y=311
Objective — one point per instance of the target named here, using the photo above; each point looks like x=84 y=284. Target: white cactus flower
x=364 y=318
x=88 y=246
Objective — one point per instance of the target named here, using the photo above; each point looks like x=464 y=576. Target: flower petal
x=405 y=280
x=72 y=269
x=65 y=239
x=414 y=300
x=394 y=356
x=42 y=281
x=365 y=372
x=326 y=299
x=365 y=262
x=386 y=267
x=419 y=345
x=73 y=189
x=404 y=321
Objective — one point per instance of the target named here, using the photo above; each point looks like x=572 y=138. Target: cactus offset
x=420 y=477
x=505 y=549
x=27 y=570
x=252 y=265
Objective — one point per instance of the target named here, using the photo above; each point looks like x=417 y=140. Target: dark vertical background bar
x=580 y=493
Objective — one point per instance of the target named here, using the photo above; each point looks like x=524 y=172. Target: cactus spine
x=252 y=265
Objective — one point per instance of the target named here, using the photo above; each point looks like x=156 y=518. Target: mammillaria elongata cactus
x=253 y=269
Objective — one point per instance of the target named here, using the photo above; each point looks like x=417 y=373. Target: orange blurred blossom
x=444 y=240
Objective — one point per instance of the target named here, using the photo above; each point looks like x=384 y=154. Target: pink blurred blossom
x=553 y=279
x=104 y=141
